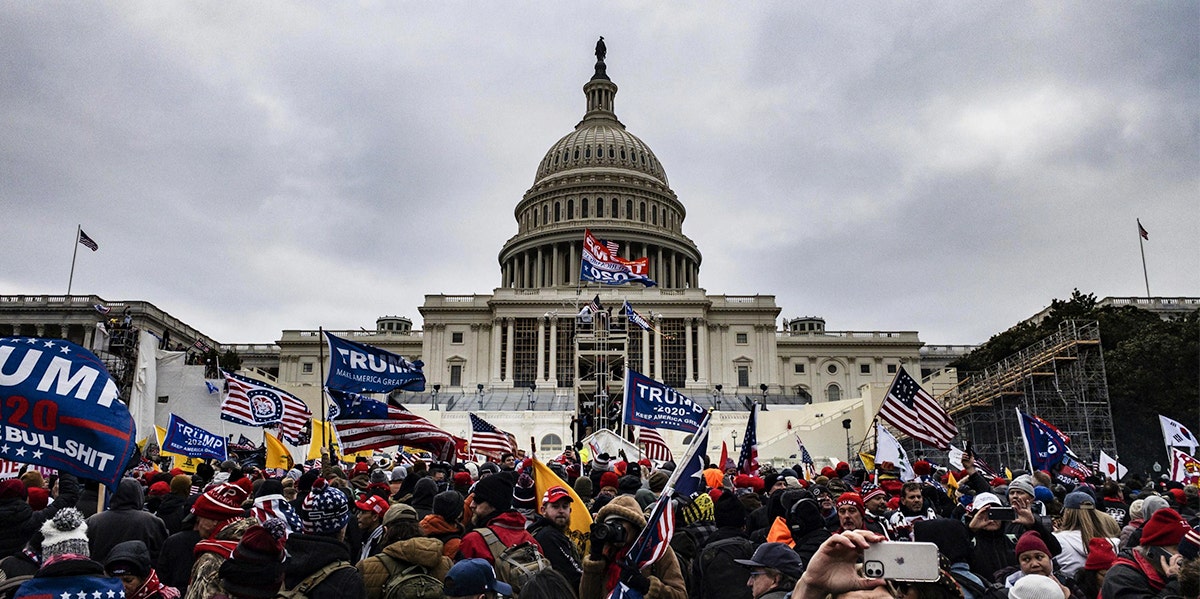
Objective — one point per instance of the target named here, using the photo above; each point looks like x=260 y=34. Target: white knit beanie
x=65 y=533
x=1036 y=586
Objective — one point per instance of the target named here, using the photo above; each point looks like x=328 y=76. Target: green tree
x=1152 y=367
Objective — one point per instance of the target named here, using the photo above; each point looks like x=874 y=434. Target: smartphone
x=897 y=560
x=1002 y=513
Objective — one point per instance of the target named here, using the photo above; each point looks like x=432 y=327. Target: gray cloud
x=943 y=168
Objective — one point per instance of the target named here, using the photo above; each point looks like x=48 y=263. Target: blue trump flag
x=651 y=404
x=1044 y=446
x=71 y=587
x=59 y=408
x=361 y=368
x=192 y=441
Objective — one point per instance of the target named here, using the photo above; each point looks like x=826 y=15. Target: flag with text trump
x=61 y=410
x=914 y=412
x=490 y=441
x=651 y=404
x=255 y=403
x=187 y=439
x=362 y=368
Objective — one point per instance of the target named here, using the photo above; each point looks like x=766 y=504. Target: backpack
x=517 y=564
x=717 y=575
x=408 y=582
x=300 y=591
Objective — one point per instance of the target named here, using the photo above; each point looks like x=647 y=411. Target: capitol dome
x=599 y=177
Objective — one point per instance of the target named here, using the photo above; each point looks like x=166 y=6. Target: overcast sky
x=947 y=168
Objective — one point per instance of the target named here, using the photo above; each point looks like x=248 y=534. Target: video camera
x=611 y=533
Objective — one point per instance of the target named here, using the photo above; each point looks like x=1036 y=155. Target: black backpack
x=717 y=576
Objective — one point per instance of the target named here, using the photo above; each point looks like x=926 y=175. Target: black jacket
x=1123 y=581
x=124 y=520
x=309 y=553
x=176 y=558
x=18 y=521
x=996 y=550
x=172 y=510
x=559 y=549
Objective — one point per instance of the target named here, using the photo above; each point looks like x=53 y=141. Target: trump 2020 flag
x=61 y=410
x=1044 y=446
x=72 y=587
x=601 y=265
x=651 y=404
x=360 y=368
x=190 y=440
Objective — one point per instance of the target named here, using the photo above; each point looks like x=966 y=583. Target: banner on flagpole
x=190 y=440
x=61 y=410
x=651 y=404
x=360 y=368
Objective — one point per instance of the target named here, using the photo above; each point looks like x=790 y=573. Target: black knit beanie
x=730 y=512
x=496 y=491
x=448 y=505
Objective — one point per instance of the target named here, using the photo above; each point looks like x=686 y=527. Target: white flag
x=955 y=457
x=888 y=449
x=1176 y=435
x=1111 y=468
x=1184 y=468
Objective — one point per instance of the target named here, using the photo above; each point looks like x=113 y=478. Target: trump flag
x=59 y=408
x=360 y=368
x=651 y=404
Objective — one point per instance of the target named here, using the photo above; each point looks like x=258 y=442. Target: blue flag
x=651 y=404
x=361 y=368
x=192 y=441
x=1043 y=445
x=352 y=406
x=691 y=473
x=73 y=587
x=61 y=410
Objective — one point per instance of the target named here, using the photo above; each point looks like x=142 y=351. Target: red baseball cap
x=555 y=494
x=373 y=503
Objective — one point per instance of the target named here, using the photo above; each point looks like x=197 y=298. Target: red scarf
x=613 y=571
x=152 y=586
x=221 y=548
x=1143 y=565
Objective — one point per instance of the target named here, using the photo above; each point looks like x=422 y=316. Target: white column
x=508 y=355
x=495 y=350
x=646 y=352
x=658 y=354
x=687 y=349
x=540 y=279
x=556 y=276
x=702 y=347
x=554 y=349
x=541 y=352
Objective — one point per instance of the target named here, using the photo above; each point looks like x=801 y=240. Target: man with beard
x=549 y=528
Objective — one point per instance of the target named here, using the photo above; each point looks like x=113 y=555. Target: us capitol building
x=524 y=358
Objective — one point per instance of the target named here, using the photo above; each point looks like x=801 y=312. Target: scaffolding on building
x=1060 y=379
x=601 y=355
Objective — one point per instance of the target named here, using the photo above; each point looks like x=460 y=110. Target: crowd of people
x=376 y=529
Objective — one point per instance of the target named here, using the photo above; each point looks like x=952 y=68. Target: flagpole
x=79 y=228
x=1142 y=246
x=324 y=410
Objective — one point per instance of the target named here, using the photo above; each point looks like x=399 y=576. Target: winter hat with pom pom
x=325 y=510
x=65 y=534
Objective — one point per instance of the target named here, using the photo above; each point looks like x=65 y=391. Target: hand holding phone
x=894 y=560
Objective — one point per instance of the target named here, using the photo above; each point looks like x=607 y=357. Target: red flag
x=724 y=456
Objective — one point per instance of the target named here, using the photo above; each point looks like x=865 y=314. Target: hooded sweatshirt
x=124 y=520
x=422 y=497
x=19 y=521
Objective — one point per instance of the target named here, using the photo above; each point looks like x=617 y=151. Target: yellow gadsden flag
x=322 y=432
x=278 y=455
x=581 y=519
x=182 y=462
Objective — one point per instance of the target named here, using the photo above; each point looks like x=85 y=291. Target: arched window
x=622 y=153
x=570 y=209
x=535 y=215
x=833 y=392
x=587 y=152
x=629 y=209
x=613 y=212
x=583 y=207
x=551 y=443
x=599 y=207
x=642 y=212
x=576 y=153
x=545 y=213
x=557 y=212
x=566 y=155
x=611 y=153
x=654 y=214
x=599 y=151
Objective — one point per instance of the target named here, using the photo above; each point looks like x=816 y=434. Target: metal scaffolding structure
x=1060 y=379
x=601 y=353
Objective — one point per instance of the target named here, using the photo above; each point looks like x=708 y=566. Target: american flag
x=916 y=413
x=243 y=444
x=89 y=243
x=255 y=403
x=748 y=461
x=805 y=457
x=594 y=305
x=652 y=445
x=363 y=423
x=613 y=247
x=488 y=440
x=653 y=541
x=1142 y=230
